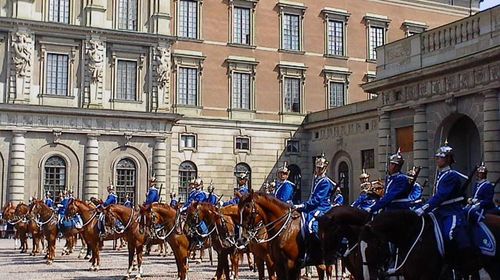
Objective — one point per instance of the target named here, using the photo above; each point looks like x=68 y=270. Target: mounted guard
x=48 y=200
x=241 y=188
x=483 y=192
x=127 y=202
x=397 y=187
x=196 y=195
x=417 y=190
x=316 y=206
x=173 y=200
x=338 y=198
x=284 y=189
x=153 y=195
x=110 y=200
x=212 y=198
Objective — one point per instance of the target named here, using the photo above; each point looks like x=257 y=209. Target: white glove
x=369 y=209
x=419 y=211
x=298 y=206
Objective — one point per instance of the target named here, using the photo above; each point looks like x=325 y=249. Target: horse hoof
x=138 y=277
x=126 y=277
x=134 y=268
x=49 y=262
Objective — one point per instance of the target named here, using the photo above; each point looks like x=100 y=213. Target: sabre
x=159 y=192
x=387 y=155
x=414 y=179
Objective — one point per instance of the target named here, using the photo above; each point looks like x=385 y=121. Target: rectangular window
x=336 y=37
x=57 y=74
x=241 y=26
x=291 y=32
x=292 y=95
x=404 y=138
x=376 y=40
x=188 y=86
x=242 y=143
x=126 y=80
x=188 y=141
x=367 y=159
x=292 y=146
x=127 y=14
x=241 y=91
x=59 y=11
x=188 y=19
x=337 y=94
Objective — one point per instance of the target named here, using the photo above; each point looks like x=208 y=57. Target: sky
x=489 y=3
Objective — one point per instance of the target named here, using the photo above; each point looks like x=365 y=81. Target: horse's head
x=8 y=211
x=112 y=214
x=194 y=217
x=250 y=215
x=73 y=209
x=37 y=208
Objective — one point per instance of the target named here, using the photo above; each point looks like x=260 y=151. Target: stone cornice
x=83 y=32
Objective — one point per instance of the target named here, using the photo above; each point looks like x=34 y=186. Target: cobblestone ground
x=14 y=265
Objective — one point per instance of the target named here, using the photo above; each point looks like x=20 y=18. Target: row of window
x=188 y=141
x=242 y=32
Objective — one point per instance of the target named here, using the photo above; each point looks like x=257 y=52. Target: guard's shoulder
x=456 y=173
x=289 y=182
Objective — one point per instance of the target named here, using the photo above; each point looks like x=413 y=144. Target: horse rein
x=128 y=223
x=253 y=232
x=160 y=227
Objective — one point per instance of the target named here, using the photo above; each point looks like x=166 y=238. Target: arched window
x=126 y=178
x=54 y=175
x=243 y=167
x=187 y=171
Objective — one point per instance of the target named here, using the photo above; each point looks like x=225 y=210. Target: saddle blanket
x=75 y=222
x=480 y=235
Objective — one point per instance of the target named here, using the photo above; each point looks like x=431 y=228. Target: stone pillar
x=384 y=142
x=160 y=165
x=95 y=13
x=17 y=161
x=492 y=133
x=91 y=170
x=420 y=148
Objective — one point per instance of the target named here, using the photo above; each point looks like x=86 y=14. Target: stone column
x=91 y=170
x=17 y=161
x=384 y=143
x=492 y=133
x=160 y=164
x=420 y=148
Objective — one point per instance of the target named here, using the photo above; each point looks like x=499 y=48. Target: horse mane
x=345 y=215
x=271 y=199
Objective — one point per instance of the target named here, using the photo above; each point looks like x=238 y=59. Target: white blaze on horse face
x=366 y=271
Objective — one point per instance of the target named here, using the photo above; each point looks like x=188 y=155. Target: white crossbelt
x=451 y=201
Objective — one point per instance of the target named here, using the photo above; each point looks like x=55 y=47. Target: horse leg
x=321 y=273
x=139 y=261
x=259 y=264
x=180 y=250
x=250 y=262
x=51 y=248
x=131 y=252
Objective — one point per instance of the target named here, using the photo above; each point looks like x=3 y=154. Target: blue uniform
x=338 y=200
x=397 y=190
x=445 y=204
x=152 y=196
x=211 y=198
x=112 y=199
x=365 y=201
x=319 y=201
x=127 y=203
x=49 y=202
x=63 y=205
x=195 y=195
x=284 y=191
x=242 y=190
x=483 y=194
x=173 y=202
x=416 y=193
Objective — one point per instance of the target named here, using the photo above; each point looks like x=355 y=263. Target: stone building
x=443 y=84
x=113 y=91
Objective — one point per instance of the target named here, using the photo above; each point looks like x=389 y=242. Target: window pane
x=59 y=11
x=127 y=14
x=187 y=171
x=376 y=40
x=336 y=37
x=188 y=19
x=337 y=94
x=292 y=95
x=187 y=93
x=125 y=180
x=54 y=175
x=291 y=32
x=241 y=26
x=126 y=79
x=57 y=74
x=241 y=91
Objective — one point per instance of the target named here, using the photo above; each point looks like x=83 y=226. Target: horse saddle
x=481 y=237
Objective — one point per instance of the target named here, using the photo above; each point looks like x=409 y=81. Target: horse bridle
x=193 y=228
x=91 y=218
x=37 y=221
x=157 y=228
x=117 y=218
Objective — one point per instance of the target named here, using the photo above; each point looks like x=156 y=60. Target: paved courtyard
x=113 y=266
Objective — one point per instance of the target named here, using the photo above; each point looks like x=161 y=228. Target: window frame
x=138 y=16
x=199 y=21
x=293 y=9
x=363 y=159
x=127 y=188
x=68 y=74
x=181 y=148
x=287 y=144
x=339 y=75
x=136 y=97
x=375 y=21
x=66 y=174
x=59 y=14
x=197 y=74
x=183 y=195
x=336 y=15
x=242 y=65
x=414 y=27
x=188 y=59
x=240 y=150
x=294 y=71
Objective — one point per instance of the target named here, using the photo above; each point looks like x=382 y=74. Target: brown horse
x=10 y=217
x=417 y=248
x=47 y=221
x=283 y=227
x=260 y=250
x=221 y=229
x=163 y=222
x=90 y=231
x=339 y=231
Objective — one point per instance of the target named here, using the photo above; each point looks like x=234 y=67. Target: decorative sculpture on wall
x=95 y=52
x=163 y=66
x=22 y=52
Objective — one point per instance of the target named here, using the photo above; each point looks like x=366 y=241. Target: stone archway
x=463 y=137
